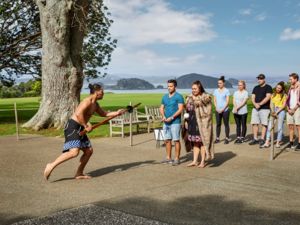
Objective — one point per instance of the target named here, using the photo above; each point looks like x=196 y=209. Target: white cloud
x=237 y=21
x=245 y=12
x=261 y=17
x=290 y=34
x=146 y=28
x=143 y=61
x=142 y=22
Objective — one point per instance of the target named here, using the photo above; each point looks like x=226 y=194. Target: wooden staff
x=272 y=151
x=128 y=109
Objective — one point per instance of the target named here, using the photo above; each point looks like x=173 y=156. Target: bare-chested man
x=78 y=122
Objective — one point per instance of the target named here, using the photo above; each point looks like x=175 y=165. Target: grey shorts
x=260 y=116
x=293 y=119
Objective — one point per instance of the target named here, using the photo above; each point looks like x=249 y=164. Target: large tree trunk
x=63 y=29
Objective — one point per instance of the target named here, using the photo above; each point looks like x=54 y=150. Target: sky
x=212 y=37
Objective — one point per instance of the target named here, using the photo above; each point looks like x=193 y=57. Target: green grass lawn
x=27 y=107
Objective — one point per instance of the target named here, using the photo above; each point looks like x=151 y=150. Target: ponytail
x=94 y=87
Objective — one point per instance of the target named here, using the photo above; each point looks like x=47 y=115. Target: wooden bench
x=154 y=115
x=117 y=124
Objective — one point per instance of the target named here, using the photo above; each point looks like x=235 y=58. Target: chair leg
x=110 y=130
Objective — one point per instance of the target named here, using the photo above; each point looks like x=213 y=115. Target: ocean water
x=250 y=87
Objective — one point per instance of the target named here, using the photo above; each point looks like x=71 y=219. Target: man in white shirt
x=293 y=115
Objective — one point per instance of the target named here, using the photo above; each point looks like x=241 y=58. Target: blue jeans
x=280 y=122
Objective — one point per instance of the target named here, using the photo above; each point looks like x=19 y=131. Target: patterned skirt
x=73 y=138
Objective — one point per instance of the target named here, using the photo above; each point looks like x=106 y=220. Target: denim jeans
x=280 y=122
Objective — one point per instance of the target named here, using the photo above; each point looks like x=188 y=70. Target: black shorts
x=73 y=138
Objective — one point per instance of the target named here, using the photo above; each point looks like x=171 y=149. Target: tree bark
x=63 y=29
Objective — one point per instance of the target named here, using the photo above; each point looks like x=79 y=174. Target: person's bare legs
x=203 y=154
x=196 y=152
x=263 y=132
x=177 y=150
x=298 y=129
x=291 y=132
x=72 y=153
x=255 y=131
x=169 y=149
x=87 y=153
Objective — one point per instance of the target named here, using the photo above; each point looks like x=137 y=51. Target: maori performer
x=74 y=142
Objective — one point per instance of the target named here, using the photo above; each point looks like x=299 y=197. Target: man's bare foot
x=192 y=164
x=202 y=165
x=82 y=176
x=48 y=171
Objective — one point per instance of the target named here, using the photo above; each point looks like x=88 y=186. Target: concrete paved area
x=241 y=186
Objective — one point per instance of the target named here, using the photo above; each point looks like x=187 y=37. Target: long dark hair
x=94 y=87
x=200 y=86
x=283 y=92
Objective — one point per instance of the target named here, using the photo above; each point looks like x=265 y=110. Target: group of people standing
x=269 y=105
x=197 y=126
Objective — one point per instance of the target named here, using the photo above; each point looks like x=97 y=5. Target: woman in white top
x=240 y=111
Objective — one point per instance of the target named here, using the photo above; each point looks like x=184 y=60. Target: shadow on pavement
x=203 y=210
x=111 y=169
x=118 y=168
x=143 y=142
x=220 y=158
x=6 y=219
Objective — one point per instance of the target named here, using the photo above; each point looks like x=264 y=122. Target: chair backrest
x=153 y=112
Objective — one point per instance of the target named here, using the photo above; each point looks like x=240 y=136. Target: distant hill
x=132 y=84
x=233 y=81
x=185 y=81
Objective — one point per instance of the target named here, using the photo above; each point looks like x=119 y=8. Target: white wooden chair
x=154 y=115
x=117 y=124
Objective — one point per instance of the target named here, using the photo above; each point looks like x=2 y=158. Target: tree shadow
x=202 y=210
